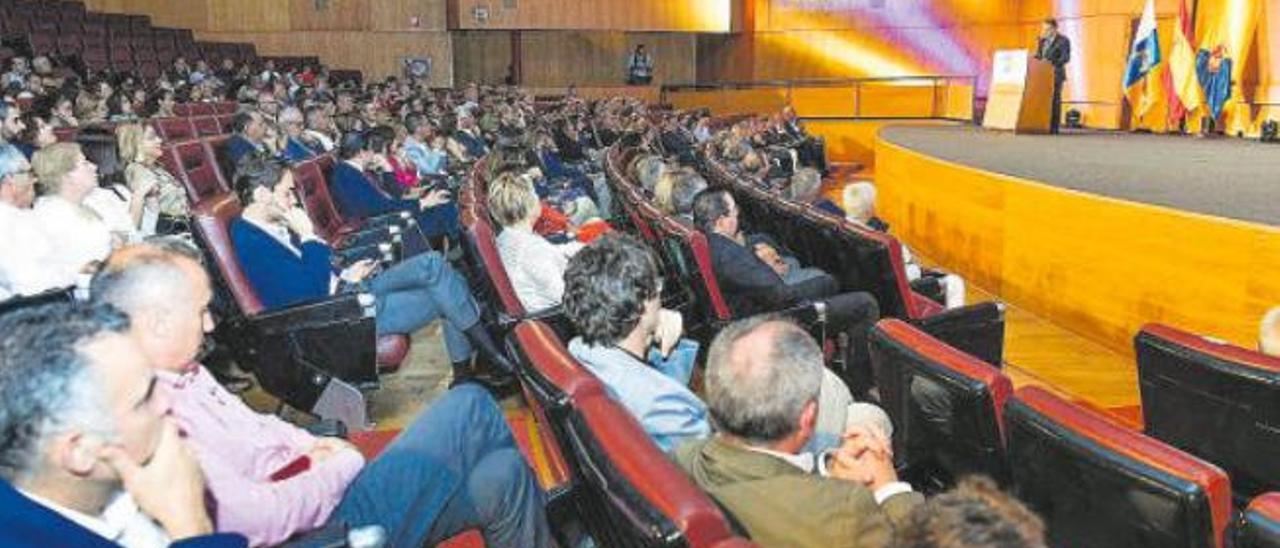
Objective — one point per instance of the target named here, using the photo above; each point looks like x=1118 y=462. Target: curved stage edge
x=1098 y=266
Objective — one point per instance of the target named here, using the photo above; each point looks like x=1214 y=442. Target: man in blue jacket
x=287 y=264
x=359 y=197
x=87 y=453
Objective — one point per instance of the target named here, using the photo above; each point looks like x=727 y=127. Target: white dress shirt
x=121 y=522
x=113 y=207
x=535 y=267
x=25 y=255
x=816 y=464
x=75 y=233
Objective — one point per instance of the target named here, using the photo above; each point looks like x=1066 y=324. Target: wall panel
x=630 y=15
x=337 y=15
x=481 y=56
x=247 y=16
x=557 y=58
x=399 y=14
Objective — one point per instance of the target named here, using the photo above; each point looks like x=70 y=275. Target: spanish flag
x=1144 y=55
x=1180 y=76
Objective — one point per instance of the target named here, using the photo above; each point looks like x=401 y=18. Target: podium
x=1021 y=96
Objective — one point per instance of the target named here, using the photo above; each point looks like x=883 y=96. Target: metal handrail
x=937 y=107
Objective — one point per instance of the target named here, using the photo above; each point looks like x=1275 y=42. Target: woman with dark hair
x=37 y=135
x=120 y=108
x=161 y=104
x=396 y=176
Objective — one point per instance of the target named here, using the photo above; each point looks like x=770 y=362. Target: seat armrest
x=313 y=315
x=336 y=336
x=977 y=329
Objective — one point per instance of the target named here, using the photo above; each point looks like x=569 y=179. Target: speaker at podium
x=1021 y=96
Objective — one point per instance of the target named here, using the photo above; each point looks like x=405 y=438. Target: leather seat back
x=313 y=193
x=197 y=170
x=1214 y=400
x=174 y=129
x=211 y=223
x=1096 y=483
x=206 y=126
x=946 y=406
x=1260 y=524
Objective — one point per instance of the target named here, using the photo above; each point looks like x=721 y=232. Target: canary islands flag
x=1144 y=55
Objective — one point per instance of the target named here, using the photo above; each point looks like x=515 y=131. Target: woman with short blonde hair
x=66 y=179
x=534 y=265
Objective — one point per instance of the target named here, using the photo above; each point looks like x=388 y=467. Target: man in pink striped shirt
x=455 y=468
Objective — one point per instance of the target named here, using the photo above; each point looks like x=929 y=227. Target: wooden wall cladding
x=191 y=14
x=631 y=15
x=481 y=56
x=557 y=58
x=336 y=15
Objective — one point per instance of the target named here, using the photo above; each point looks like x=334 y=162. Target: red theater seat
x=630 y=493
x=946 y=405
x=1096 y=483
x=197 y=170
x=206 y=126
x=1260 y=524
x=297 y=352
x=174 y=129
x=1214 y=400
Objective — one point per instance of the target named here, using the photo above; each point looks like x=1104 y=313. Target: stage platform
x=1098 y=233
x=1227 y=177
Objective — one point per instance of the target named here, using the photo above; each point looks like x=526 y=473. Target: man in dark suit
x=88 y=456
x=1056 y=50
x=358 y=196
x=248 y=136
x=757 y=277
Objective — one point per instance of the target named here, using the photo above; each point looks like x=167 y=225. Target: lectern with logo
x=1021 y=96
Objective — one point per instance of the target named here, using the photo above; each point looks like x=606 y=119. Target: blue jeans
x=679 y=364
x=417 y=291
x=455 y=468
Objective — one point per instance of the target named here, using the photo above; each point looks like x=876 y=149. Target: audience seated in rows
x=757 y=276
x=287 y=264
x=612 y=296
x=455 y=467
x=359 y=197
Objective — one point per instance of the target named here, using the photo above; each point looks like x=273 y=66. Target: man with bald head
x=762 y=384
x=455 y=467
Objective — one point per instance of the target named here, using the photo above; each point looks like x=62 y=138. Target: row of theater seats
x=298 y=353
x=620 y=486
x=955 y=413
x=1095 y=482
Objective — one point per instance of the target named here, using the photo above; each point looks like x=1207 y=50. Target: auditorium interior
x=642 y=273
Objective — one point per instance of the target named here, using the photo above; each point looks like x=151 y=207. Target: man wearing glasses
x=24 y=249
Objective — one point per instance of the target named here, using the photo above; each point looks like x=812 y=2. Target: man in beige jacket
x=762 y=384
